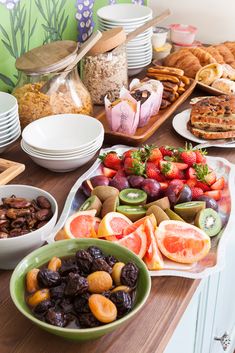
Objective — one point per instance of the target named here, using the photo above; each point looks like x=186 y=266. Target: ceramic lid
x=111 y=39
x=47 y=58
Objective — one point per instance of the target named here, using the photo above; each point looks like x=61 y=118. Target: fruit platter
x=171 y=206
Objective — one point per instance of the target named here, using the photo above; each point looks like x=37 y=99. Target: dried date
x=47 y=278
x=84 y=261
x=123 y=302
x=129 y=274
x=76 y=284
x=56 y=318
x=43 y=202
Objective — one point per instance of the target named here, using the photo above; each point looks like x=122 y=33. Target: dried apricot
x=38 y=297
x=102 y=308
x=99 y=281
x=122 y=288
x=31 y=280
x=116 y=272
x=54 y=264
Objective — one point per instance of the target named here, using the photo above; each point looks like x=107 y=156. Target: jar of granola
x=37 y=67
x=104 y=69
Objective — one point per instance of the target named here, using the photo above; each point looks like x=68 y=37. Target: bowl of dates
x=27 y=217
x=80 y=289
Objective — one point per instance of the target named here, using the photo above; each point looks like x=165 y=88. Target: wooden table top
x=150 y=330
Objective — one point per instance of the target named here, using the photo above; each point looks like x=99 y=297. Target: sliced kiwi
x=132 y=212
x=209 y=221
x=109 y=205
x=103 y=192
x=163 y=203
x=172 y=215
x=188 y=210
x=133 y=196
x=92 y=203
x=158 y=213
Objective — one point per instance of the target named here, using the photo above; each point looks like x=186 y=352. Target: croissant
x=171 y=59
x=184 y=60
x=215 y=53
x=204 y=57
x=226 y=54
x=231 y=47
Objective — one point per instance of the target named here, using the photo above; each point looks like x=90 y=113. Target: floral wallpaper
x=25 y=24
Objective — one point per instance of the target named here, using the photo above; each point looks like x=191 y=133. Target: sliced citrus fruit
x=131 y=228
x=153 y=257
x=182 y=242
x=136 y=241
x=82 y=224
x=113 y=224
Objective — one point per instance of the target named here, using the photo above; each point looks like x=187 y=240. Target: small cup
x=183 y=34
x=161 y=53
x=159 y=36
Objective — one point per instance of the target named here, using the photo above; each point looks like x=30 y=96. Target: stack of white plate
x=130 y=17
x=9 y=120
x=64 y=142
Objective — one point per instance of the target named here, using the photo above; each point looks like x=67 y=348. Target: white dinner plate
x=180 y=125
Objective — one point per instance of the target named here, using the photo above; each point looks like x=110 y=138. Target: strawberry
x=180 y=166
x=111 y=160
x=203 y=186
x=190 y=173
x=218 y=185
x=196 y=192
x=169 y=170
x=189 y=157
x=210 y=178
x=215 y=194
x=179 y=183
x=153 y=153
x=109 y=173
x=191 y=182
x=134 y=166
x=166 y=151
x=200 y=156
x=127 y=154
x=152 y=172
x=204 y=174
x=164 y=185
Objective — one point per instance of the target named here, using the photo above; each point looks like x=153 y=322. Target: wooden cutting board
x=9 y=170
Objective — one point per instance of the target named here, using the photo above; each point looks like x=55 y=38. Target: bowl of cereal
x=80 y=289
x=27 y=217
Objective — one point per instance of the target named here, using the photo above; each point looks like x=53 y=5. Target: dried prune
x=101 y=265
x=58 y=291
x=87 y=320
x=68 y=265
x=43 y=306
x=56 y=318
x=80 y=303
x=76 y=284
x=129 y=274
x=123 y=302
x=84 y=261
x=47 y=278
x=66 y=306
x=95 y=252
x=111 y=260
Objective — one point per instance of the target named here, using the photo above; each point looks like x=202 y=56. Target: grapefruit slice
x=132 y=227
x=113 y=224
x=136 y=241
x=153 y=257
x=182 y=242
x=82 y=224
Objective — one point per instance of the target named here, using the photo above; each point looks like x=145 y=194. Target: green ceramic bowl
x=68 y=248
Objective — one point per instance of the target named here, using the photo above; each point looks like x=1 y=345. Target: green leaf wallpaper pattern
x=25 y=24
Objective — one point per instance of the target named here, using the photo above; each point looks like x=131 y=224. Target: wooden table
x=149 y=331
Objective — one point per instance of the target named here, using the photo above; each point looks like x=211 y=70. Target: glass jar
x=105 y=74
x=69 y=95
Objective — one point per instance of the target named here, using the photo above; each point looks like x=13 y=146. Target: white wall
x=215 y=19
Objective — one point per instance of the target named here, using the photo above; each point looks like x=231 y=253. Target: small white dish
x=159 y=36
x=9 y=137
x=124 y=12
x=7 y=104
x=4 y=146
x=9 y=117
x=180 y=125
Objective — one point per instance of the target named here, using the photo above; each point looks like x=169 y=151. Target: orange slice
x=113 y=224
x=82 y=224
x=131 y=228
x=136 y=241
x=182 y=242
x=153 y=257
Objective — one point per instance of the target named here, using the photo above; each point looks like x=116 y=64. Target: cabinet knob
x=225 y=340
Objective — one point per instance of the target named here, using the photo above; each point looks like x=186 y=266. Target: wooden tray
x=9 y=170
x=209 y=89
x=143 y=133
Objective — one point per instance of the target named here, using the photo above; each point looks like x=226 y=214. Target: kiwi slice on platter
x=188 y=210
x=92 y=203
x=133 y=196
x=163 y=203
x=208 y=220
x=132 y=212
x=103 y=192
x=173 y=216
x=110 y=205
x=158 y=213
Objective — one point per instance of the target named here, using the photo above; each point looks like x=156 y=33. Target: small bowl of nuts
x=27 y=217
x=80 y=289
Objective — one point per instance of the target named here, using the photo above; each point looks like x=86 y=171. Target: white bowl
x=63 y=132
x=124 y=12
x=126 y=23
x=4 y=146
x=8 y=138
x=9 y=128
x=12 y=250
x=134 y=72
x=10 y=123
x=138 y=66
x=7 y=103
x=6 y=119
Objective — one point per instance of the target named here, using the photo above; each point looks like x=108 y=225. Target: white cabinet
x=210 y=314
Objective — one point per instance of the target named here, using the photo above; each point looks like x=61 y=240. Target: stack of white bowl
x=64 y=142
x=9 y=120
x=130 y=17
